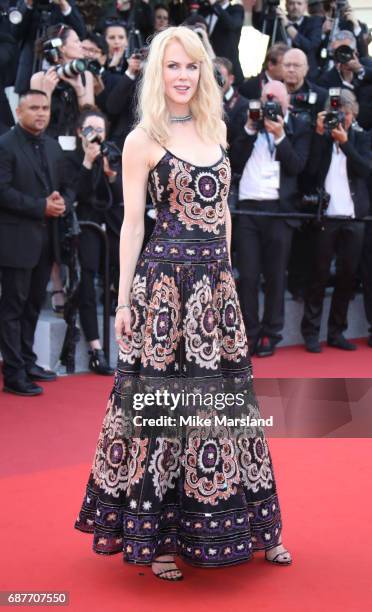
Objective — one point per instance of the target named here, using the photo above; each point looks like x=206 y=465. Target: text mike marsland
x=199 y=421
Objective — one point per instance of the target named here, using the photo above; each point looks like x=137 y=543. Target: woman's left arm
x=228 y=231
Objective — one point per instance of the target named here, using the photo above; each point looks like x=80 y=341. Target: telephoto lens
x=77 y=66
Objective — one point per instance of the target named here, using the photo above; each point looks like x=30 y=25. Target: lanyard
x=270 y=144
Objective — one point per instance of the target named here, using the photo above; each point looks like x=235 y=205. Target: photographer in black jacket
x=36 y=16
x=68 y=93
x=340 y=161
x=120 y=103
x=270 y=153
x=97 y=178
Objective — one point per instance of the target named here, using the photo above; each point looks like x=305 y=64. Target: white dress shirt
x=252 y=185
x=337 y=185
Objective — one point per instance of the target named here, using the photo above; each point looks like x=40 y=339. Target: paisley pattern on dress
x=210 y=494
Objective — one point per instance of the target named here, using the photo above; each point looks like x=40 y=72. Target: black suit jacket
x=359 y=165
x=308 y=37
x=120 y=106
x=23 y=198
x=252 y=88
x=292 y=153
x=235 y=115
x=225 y=36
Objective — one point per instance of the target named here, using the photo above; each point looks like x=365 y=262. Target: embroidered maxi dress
x=209 y=493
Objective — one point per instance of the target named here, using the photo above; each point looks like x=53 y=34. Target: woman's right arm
x=135 y=178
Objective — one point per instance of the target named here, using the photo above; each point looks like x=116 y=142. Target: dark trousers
x=262 y=247
x=367 y=273
x=88 y=305
x=22 y=296
x=343 y=239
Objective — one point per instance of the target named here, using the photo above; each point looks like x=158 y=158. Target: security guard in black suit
x=33 y=195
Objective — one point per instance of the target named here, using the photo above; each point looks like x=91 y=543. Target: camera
x=108 y=149
x=343 y=54
x=71 y=69
x=334 y=117
x=257 y=111
x=271 y=109
x=304 y=106
x=94 y=67
x=316 y=204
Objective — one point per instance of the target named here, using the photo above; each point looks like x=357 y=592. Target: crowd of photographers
x=299 y=143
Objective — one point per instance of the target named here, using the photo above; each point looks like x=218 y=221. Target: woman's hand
x=116 y=59
x=111 y=174
x=123 y=329
x=92 y=150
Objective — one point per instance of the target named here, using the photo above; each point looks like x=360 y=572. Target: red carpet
x=47 y=444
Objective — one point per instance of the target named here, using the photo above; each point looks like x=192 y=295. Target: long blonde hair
x=206 y=105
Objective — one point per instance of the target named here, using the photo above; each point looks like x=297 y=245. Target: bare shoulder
x=139 y=147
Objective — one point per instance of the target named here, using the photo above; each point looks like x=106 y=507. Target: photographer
x=95 y=49
x=120 y=103
x=161 y=17
x=303 y=101
x=235 y=105
x=337 y=15
x=116 y=37
x=225 y=22
x=34 y=194
x=68 y=94
x=133 y=14
x=340 y=162
x=269 y=154
x=297 y=30
x=38 y=15
x=271 y=71
x=351 y=73
x=96 y=172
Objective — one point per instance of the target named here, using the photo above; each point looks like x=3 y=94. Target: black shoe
x=265 y=347
x=341 y=343
x=369 y=340
x=98 y=363
x=25 y=387
x=252 y=345
x=36 y=372
x=312 y=345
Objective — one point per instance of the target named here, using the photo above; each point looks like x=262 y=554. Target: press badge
x=271 y=174
x=67 y=143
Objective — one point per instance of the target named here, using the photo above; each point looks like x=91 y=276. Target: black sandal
x=57 y=308
x=165 y=572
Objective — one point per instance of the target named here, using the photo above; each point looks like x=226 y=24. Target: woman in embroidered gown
x=208 y=495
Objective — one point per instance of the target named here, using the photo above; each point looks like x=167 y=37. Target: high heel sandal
x=275 y=560
x=162 y=575
x=57 y=308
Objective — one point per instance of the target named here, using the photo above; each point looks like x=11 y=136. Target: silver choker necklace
x=181 y=119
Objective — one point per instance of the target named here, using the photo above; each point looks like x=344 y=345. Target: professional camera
x=343 y=54
x=334 y=117
x=94 y=67
x=108 y=149
x=316 y=204
x=71 y=69
x=257 y=111
x=271 y=109
x=304 y=106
